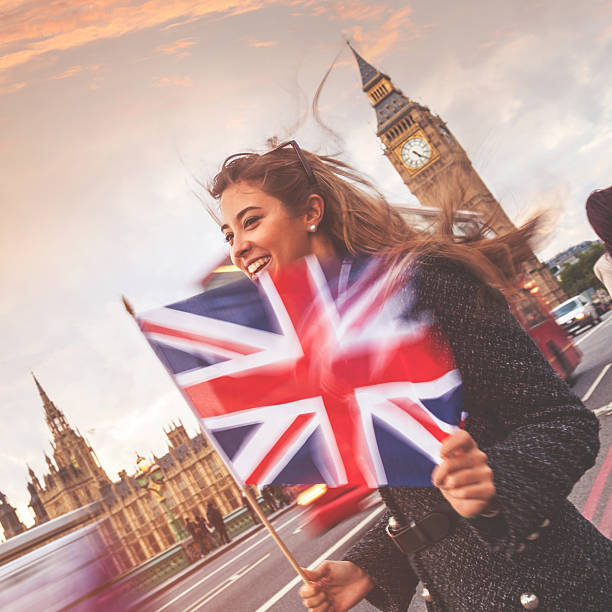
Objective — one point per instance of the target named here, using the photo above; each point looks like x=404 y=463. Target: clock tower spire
x=433 y=164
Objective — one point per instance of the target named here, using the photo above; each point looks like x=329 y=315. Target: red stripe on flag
x=422 y=417
x=228 y=345
x=280 y=447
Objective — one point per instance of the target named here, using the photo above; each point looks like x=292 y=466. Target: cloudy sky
x=112 y=112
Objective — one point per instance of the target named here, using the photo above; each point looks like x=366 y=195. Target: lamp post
x=151 y=477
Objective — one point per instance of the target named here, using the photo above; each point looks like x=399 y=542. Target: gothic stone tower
x=433 y=164
x=75 y=475
x=8 y=519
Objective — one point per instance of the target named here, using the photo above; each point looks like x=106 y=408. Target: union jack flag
x=315 y=375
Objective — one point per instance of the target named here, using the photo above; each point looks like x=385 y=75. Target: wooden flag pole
x=247 y=493
x=264 y=519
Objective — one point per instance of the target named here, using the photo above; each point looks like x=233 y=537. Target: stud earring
x=312 y=228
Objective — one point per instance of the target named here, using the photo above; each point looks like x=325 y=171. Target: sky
x=113 y=113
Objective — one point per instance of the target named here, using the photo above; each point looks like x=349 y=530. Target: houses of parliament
x=193 y=472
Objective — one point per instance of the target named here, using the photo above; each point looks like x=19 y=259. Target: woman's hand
x=464 y=476
x=335 y=586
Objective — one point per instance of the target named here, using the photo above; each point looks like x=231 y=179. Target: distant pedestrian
x=194 y=531
x=266 y=493
x=247 y=504
x=280 y=495
x=215 y=518
x=204 y=532
x=599 y=213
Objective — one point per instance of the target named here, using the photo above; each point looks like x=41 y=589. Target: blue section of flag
x=181 y=361
x=400 y=459
x=239 y=302
x=302 y=467
x=447 y=407
x=232 y=439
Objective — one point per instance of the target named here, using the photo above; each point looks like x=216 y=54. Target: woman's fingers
x=462 y=478
x=474 y=460
x=320 y=601
x=460 y=440
x=483 y=491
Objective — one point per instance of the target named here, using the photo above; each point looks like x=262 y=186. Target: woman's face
x=260 y=232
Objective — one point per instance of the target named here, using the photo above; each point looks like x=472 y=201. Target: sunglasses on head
x=296 y=147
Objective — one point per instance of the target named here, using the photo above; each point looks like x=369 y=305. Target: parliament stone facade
x=136 y=522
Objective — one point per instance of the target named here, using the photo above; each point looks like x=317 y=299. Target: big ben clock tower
x=432 y=163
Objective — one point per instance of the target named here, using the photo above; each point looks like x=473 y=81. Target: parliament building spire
x=54 y=417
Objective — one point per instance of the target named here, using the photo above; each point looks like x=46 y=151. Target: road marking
x=588 y=394
x=296 y=531
x=604 y=410
x=592 y=330
x=244 y=552
x=598 y=487
x=224 y=585
x=605 y=525
x=322 y=558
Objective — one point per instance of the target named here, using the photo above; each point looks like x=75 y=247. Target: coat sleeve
x=389 y=569
x=538 y=436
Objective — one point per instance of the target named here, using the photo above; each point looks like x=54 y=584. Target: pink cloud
x=41 y=27
x=262 y=43
x=176 y=47
x=174 y=81
x=12 y=87
x=375 y=42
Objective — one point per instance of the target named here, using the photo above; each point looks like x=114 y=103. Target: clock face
x=416 y=152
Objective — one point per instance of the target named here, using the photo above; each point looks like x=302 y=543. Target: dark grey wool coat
x=539 y=440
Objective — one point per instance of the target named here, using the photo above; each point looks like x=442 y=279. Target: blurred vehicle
x=576 y=313
x=63 y=564
x=599 y=298
x=328 y=506
x=552 y=339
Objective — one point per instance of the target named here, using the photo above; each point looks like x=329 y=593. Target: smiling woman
x=495 y=531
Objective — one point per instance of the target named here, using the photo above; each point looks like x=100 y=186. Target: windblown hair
x=358 y=220
x=599 y=213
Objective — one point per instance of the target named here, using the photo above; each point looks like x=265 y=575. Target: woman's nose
x=240 y=248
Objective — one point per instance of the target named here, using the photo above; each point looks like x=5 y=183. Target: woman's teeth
x=257 y=265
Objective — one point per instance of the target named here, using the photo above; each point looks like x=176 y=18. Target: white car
x=576 y=313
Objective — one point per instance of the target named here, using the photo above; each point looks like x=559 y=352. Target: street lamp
x=151 y=478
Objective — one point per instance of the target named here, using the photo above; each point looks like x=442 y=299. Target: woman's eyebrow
x=241 y=214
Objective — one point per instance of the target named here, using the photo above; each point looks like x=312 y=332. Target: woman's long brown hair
x=359 y=220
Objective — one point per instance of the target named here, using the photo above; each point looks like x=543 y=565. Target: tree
x=578 y=277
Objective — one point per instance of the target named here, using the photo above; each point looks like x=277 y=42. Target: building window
x=138 y=552
x=213 y=464
x=231 y=499
x=167 y=535
x=124 y=560
x=153 y=543
x=124 y=521
x=198 y=477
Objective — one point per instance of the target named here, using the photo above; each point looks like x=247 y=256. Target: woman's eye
x=250 y=221
x=229 y=237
